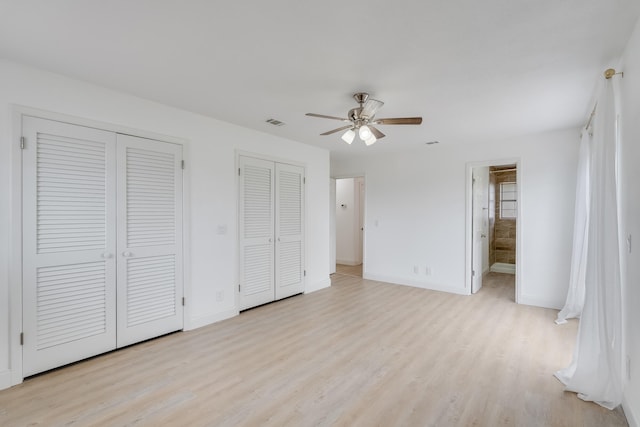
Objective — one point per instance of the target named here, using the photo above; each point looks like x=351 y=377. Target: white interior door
x=480 y=200
x=289 y=249
x=359 y=193
x=332 y=225
x=69 y=242
x=149 y=249
x=256 y=227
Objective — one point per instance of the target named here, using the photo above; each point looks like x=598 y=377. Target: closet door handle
x=107 y=255
x=126 y=254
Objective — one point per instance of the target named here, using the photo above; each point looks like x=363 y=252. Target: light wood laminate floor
x=360 y=353
x=349 y=270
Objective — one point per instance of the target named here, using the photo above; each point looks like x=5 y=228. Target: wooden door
x=69 y=243
x=149 y=249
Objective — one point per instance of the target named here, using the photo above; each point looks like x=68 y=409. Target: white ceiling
x=475 y=70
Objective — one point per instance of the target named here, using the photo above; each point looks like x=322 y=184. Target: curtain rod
x=608 y=74
x=593 y=113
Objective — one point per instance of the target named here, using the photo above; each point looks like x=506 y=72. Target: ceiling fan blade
x=337 y=130
x=399 y=121
x=370 y=108
x=322 y=116
x=376 y=132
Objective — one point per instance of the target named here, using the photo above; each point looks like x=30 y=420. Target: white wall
x=210 y=160
x=346 y=226
x=630 y=204
x=416 y=212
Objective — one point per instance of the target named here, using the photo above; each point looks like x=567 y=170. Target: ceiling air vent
x=275 y=122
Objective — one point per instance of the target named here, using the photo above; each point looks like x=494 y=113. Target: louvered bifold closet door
x=289 y=230
x=69 y=243
x=149 y=239
x=256 y=232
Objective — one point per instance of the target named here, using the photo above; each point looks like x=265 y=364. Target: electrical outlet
x=220 y=296
x=629 y=243
x=629 y=367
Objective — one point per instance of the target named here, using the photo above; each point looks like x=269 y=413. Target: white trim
x=632 y=418
x=208 y=319
x=364 y=218
x=414 y=283
x=503 y=267
x=5 y=379
x=80 y=121
x=15 y=255
x=347 y=262
x=267 y=157
x=469 y=214
x=325 y=283
x=538 y=301
x=15 y=220
x=275 y=159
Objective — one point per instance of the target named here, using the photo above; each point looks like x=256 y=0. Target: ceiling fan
x=362 y=119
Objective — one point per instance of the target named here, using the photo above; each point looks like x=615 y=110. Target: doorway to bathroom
x=493 y=209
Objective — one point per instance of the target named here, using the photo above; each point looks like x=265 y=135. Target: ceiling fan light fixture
x=360 y=117
x=365 y=133
x=371 y=140
x=348 y=136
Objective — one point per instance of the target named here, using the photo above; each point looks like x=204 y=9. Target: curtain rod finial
x=611 y=72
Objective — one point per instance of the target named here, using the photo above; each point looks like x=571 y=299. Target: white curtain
x=575 y=296
x=596 y=370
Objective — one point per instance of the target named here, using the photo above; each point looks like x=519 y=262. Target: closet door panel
x=289 y=249
x=69 y=243
x=256 y=225
x=149 y=271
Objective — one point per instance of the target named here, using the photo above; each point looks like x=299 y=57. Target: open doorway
x=349 y=226
x=492 y=225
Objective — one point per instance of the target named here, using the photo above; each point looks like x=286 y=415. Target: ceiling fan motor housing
x=354 y=116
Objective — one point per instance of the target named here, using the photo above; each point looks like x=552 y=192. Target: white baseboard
x=312 y=287
x=200 y=321
x=415 y=283
x=632 y=418
x=503 y=267
x=347 y=262
x=5 y=379
x=538 y=301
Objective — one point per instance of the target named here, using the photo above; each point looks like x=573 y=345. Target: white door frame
x=15 y=254
x=364 y=216
x=275 y=159
x=469 y=220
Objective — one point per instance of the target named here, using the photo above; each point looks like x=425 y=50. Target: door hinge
x=22 y=140
x=21 y=338
x=184 y=300
x=238 y=288
x=238 y=171
x=182 y=163
x=473 y=273
x=304 y=180
x=304 y=273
